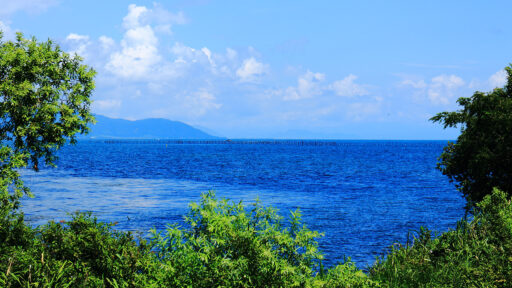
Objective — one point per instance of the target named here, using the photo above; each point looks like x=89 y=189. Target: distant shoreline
x=296 y=142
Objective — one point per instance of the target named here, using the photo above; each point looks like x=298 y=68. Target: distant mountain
x=154 y=128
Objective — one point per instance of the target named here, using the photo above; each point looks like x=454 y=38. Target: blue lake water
x=364 y=195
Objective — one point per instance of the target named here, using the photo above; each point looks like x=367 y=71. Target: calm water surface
x=365 y=195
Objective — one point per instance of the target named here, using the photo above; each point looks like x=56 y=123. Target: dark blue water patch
x=365 y=195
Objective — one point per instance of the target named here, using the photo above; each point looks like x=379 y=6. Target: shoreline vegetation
x=46 y=102
x=228 y=244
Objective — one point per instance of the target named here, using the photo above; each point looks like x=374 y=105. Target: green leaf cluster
x=481 y=158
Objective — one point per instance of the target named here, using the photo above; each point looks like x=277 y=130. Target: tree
x=481 y=158
x=44 y=101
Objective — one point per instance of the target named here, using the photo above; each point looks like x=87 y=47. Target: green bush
x=475 y=254
x=225 y=244
x=80 y=253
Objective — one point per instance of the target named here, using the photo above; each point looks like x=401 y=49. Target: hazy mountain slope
x=154 y=128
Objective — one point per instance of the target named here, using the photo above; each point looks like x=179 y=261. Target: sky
x=280 y=69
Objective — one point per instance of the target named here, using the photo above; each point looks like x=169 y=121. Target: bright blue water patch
x=365 y=195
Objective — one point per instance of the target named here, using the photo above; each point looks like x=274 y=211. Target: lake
x=364 y=195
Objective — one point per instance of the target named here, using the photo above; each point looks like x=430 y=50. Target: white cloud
x=188 y=54
x=31 y=6
x=79 y=43
x=250 y=69
x=8 y=33
x=208 y=54
x=162 y=19
x=347 y=88
x=139 y=57
x=448 y=81
x=201 y=102
x=308 y=86
x=420 y=84
x=106 y=104
x=77 y=37
x=161 y=16
x=439 y=91
x=231 y=54
x=106 y=43
x=442 y=88
x=359 y=111
x=312 y=84
x=133 y=18
x=498 y=79
x=139 y=51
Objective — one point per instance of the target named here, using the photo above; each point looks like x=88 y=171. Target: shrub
x=80 y=253
x=225 y=244
x=475 y=254
x=228 y=245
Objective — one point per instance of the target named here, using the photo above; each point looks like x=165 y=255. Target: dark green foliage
x=11 y=185
x=80 y=253
x=481 y=159
x=475 y=254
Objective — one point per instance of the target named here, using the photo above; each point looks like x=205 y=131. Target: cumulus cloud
x=498 y=79
x=439 y=91
x=79 y=43
x=133 y=18
x=106 y=43
x=201 y=101
x=308 y=85
x=312 y=84
x=186 y=54
x=442 y=88
x=158 y=16
x=8 y=33
x=347 y=88
x=250 y=70
x=139 y=57
x=106 y=104
x=139 y=51
x=77 y=37
x=420 y=84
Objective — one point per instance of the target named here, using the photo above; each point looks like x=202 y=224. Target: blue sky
x=280 y=69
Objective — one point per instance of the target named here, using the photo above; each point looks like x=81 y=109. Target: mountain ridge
x=150 y=128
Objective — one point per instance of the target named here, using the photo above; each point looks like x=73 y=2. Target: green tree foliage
x=481 y=158
x=44 y=101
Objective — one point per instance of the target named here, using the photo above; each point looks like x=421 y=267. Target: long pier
x=223 y=142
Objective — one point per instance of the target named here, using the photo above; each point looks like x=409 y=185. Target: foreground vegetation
x=226 y=244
